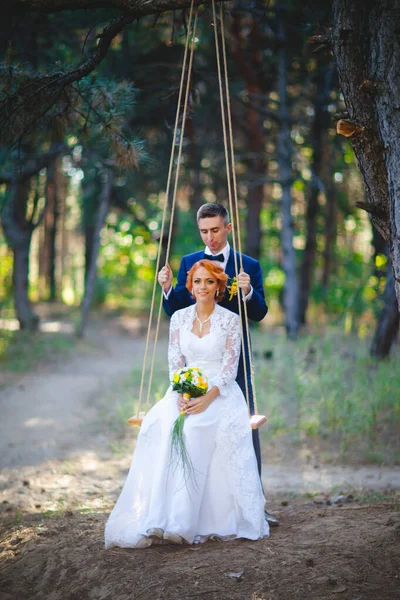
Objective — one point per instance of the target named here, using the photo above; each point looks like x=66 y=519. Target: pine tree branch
x=52 y=86
x=105 y=39
x=33 y=101
x=136 y=8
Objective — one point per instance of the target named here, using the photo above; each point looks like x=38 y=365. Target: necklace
x=201 y=323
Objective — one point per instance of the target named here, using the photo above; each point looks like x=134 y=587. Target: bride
x=224 y=500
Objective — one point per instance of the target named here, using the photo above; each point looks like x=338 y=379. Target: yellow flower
x=176 y=378
x=233 y=288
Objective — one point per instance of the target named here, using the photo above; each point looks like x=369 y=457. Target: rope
x=221 y=97
x=164 y=214
x=173 y=201
x=229 y=113
x=235 y=214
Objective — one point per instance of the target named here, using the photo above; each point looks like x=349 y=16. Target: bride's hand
x=182 y=402
x=198 y=405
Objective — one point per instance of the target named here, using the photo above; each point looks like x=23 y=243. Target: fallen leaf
x=236 y=576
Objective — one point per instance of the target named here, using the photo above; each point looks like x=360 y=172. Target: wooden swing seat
x=137 y=419
x=255 y=420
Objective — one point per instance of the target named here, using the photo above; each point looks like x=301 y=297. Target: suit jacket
x=256 y=307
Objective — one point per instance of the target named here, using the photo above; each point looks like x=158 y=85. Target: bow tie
x=219 y=257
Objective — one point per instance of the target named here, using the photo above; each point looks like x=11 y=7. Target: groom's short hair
x=213 y=209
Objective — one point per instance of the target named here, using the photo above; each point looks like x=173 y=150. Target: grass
x=325 y=391
x=322 y=393
x=378 y=497
x=21 y=351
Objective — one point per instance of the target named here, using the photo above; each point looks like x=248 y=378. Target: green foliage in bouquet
x=191 y=383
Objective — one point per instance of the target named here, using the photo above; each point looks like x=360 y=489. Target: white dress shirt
x=225 y=251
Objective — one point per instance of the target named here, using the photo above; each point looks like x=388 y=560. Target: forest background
x=88 y=102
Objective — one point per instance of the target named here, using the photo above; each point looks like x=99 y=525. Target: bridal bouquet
x=191 y=383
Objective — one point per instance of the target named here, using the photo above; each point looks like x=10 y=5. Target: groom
x=214 y=227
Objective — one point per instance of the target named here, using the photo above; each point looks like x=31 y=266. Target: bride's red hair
x=215 y=271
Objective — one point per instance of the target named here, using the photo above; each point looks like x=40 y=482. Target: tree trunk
x=388 y=324
x=323 y=81
x=255 y=189
x=18 y=233
x=330 y=227
x=250 y=71
x=90 y=234
x=194 y=154
x=90 y=282
x=25 y=315
x=50 y=226
x=290 y=292
x=91 y=192
x=366 y=47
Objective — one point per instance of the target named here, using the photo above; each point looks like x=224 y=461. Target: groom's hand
x=165 y=278
x=244 y=282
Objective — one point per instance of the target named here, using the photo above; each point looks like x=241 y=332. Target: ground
x=64 y=460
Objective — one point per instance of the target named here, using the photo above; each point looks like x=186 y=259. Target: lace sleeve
x=230 y=362
x=176 y=359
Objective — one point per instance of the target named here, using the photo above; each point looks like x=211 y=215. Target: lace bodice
x=216 y=353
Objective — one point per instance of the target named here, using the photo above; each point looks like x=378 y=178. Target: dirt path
x=45 y=415
x=62 y=468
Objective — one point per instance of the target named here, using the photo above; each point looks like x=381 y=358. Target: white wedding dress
x=225 y=500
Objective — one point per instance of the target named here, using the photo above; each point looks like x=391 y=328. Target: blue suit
x=180 y=297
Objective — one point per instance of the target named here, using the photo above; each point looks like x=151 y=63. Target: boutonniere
x=233 y=288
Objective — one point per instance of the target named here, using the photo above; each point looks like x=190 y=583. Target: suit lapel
x=194 y=258
x=230 y=271
x=230 y=265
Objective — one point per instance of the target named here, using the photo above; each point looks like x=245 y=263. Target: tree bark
x=194 y=151
x=330 y=226
x=50 y=228
x=323 y=84
x=90 y=282
x=290 y=292
x=27 y=318
x=366 y=47
x=257 y=166
x=388 y=323
x=18 y=233
x=91 y=192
